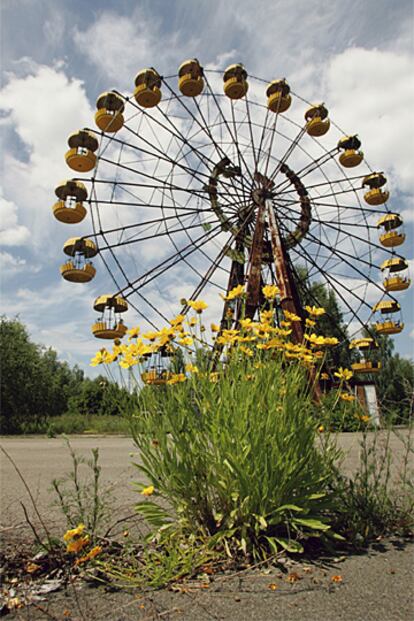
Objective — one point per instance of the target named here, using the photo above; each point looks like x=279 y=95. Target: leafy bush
x=236 y=459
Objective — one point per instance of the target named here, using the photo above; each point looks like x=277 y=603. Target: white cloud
x=11 y=233
x=43 y=108
x=371 y=92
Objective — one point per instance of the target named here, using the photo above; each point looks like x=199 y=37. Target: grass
x=77 y=424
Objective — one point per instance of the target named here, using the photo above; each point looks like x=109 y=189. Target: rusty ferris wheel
x=208 y=179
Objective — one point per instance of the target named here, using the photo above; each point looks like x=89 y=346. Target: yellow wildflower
x=133 y=333
x=214 y=327
x=310 y=323
x=186 y=340
x=177 y=321
x=246 y=350
x=76 y=545
x=191 y=368
x=91 y=554
x=343 y=374
x=315 y=311
x=331 y=340
x=266 y=316
x=214 y=376
x=291 y=355
x=365 y=418
x=236 y=292
x=177 y=378
x=192 y=321
x=324 y=376
x=291 y=316
x=346 y=396
x=102 y=357
x=74 y=532
x=151 y=336
x=321 y=428
x=270 y=291
x=197 y=305
x=246 y=324
x=285 y=324
x=148 y=491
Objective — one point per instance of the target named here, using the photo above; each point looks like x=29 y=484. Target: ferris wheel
x=207 y=180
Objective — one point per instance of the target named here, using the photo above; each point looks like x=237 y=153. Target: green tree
x=34 y=383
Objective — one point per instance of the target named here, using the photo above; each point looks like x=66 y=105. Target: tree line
x=36 y=386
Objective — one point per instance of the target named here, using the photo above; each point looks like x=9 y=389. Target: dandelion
x=346 y=396
x=148 y=491
x=315 y=311
x=270 y=291
x=236 y=292
x=343 y=374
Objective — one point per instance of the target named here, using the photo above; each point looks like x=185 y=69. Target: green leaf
x=311 y=523
x=290 y=545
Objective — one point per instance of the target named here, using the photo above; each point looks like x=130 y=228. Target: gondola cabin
x=81 y=155
x=375 y=195
x=366 y=366
x=109 y=117
x=317 y=122
x=351 y=155
x=391 y=236
x=278 y=96
x=235 y=81
x=69 y=208
x=190 y=78
x=147 y=91
x=79 y=267
x=110 y=325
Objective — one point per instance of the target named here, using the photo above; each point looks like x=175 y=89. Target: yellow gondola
x=81 y=156
x=386 y=306
x=366 y=366
x=396 y=283
x=109 y=325
x=388 y=327
x=109 y=117
x=351 y=155
x=365 y=343
x=396 y=264
x=391 y=238
x=147 y=91
x=69 y=208
x=278 y=96
x=190 y=78
x=317 y=122
x=375 y=196
x=78 y=268
x=235 y=81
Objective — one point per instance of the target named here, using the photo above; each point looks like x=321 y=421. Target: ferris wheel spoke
x=204 y=127
x=155 y=235
x=227 y=125
x=315 y=164
x=330 y=279
x=171 y=261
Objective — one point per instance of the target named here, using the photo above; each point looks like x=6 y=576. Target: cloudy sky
x=59 y=55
